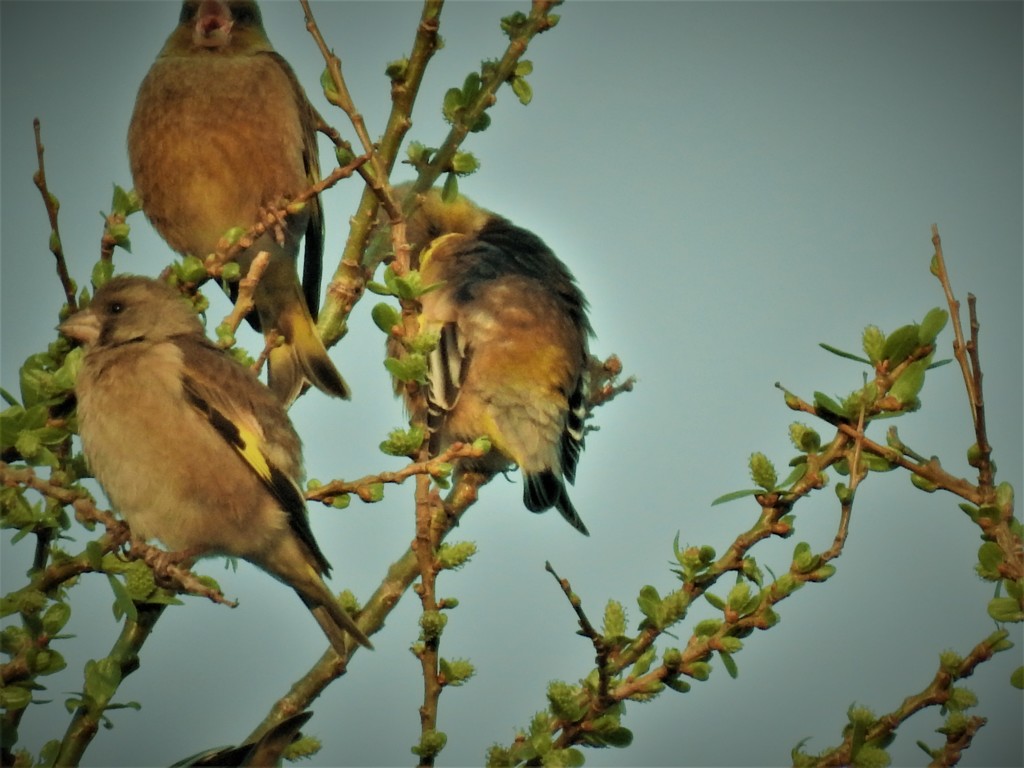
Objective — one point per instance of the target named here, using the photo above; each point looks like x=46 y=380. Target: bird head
x=132 y=309
x=228 y=27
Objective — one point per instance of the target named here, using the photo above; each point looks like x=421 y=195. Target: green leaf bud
x=950 y=662
x=873 y=343
x=643 y=664
x=715 y=600
x=707 y=627
x=990 y=557
x=677 y=684
x=730 y=665
x=411 y=367
x=906 y=388
x=432 y=624
x=566 y=701
x=424 y=343
x=1005 y=610
x=14 y=697
x=923 y=483
x=55 y=617
x=804 y=560
x=329 y=89
x=698 y=670
x=999 y=641
x=465 y=163
x=431 y=744
x=870 y=756
x=1017 y=678
x=649 y=603
x=614 y=620
x=1004 y=497
x=823 y=402
x=738 y=597
x=456 y=672
x=804 y=438
x=960 y=699
x=762 y=471
x=396 y=70
x=403 y=442
x=672 y=659
x=522 y=89
x=974 y=455
x=730 y=644
x=450 y=189
x=822 y=574
x=452 y=556
x=843 y=493
x=48 y=662
x=139 y=581
x=932 y=326
x=900 y=344
x=102 y=271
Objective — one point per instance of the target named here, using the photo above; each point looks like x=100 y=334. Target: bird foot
x=274 y=221
x=164 y=564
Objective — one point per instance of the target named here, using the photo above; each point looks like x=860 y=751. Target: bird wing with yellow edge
x=243 y=432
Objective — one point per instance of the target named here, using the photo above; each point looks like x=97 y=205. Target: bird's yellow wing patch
x=247 y=442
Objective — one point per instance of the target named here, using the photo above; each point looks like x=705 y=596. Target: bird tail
x=545 y=489
x=302 y=357
x=334 y=621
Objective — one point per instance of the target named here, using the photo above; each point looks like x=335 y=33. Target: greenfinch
x=190 y=447
x=221 y=133
x=262 y=751
x=512 y=352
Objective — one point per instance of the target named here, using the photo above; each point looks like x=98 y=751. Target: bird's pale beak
x=213 y=25
x=82 y=326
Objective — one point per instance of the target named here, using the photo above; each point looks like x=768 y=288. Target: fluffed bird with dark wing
x=222 y=132
x=190 y=447
x=511 y=361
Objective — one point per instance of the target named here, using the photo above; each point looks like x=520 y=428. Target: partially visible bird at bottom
x=511 y=359
x=266 y=750
x=190 y=447
x=221 y=132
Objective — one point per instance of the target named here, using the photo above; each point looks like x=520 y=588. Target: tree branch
x=52 y=207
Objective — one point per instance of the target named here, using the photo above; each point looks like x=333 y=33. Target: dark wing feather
x=226 y=418
x=312 y=266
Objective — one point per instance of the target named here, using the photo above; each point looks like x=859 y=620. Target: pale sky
x=731 y=183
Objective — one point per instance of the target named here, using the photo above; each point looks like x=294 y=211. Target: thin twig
x=959 y=345
x=846 y=507
x=52 y=207
x=246 y=301
x=601 y=649
x=985 y=473
x=362 y=487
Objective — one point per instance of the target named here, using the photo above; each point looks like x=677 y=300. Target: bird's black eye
x=115 y=307
x=188 y=12
x=245 y=14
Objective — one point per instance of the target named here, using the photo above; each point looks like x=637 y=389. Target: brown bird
x=190 y=447
x=222 y=132
x=511 y=360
